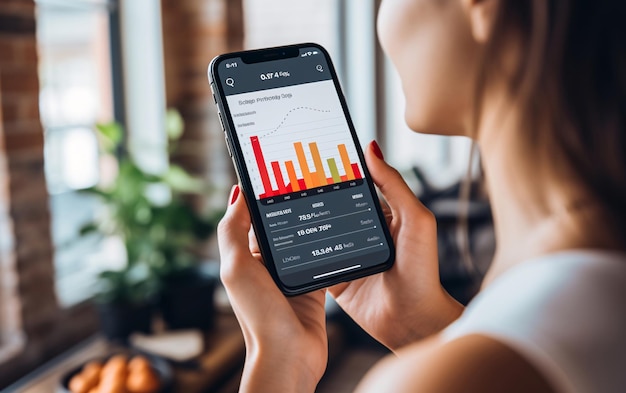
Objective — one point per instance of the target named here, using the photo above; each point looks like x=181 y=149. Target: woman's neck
x=533 y=214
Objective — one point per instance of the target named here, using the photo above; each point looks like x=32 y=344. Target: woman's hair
x=570 y=83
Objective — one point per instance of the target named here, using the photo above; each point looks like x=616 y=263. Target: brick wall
x=195 y=31
x=26 y=252
x=10 y=326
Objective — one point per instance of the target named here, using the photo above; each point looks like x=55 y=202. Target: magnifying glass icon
x=230 y=82
x=319 y=68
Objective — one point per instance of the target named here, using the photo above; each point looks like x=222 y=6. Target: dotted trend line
x=287 y=115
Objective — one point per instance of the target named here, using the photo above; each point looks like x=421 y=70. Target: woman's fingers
x=397 y=194
x=234 y=226
x=232 y=236
x=253 y=243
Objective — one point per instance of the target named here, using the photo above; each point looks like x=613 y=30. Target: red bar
x=344 y=178
x=302 y=184
x=278 y=175
x=260 y=162
x=357 y=173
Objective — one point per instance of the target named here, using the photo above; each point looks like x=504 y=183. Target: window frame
x=118 y=104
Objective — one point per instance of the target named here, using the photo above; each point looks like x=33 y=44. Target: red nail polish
x=233 y=198
x=376 y=149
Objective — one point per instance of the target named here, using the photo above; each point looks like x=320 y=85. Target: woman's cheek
x=396 y=23
x=384 y=26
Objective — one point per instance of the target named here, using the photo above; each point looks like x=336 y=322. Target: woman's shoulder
x=469 y=364
x=562 y=312
x=580 y=292
x=554 y=323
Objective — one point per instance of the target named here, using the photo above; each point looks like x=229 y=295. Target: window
x=76 y=92
x=77 y=63
x=282 y=22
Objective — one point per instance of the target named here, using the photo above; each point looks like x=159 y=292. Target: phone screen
x=303 y=167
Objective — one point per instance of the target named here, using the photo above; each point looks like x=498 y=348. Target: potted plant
x=151 y=213
x=126 y=301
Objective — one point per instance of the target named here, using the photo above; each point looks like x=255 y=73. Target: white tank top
x=565 y=313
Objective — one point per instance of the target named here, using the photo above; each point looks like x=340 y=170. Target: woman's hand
x=407 y=302
x=286 y=343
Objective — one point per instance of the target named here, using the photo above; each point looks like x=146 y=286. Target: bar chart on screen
x=309 y=178
x=295 y=139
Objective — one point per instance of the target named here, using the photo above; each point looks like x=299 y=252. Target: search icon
x=230 y=82
x=319 y=68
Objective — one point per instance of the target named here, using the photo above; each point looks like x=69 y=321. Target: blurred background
x=114 y=173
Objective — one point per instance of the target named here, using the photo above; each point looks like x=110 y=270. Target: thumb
x=392 y=186
x=232 y=231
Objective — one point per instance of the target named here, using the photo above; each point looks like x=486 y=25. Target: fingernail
x=234 y=194
x=376 y=149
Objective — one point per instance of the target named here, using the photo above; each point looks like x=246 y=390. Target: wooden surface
x=224 y=355
x=222 y=358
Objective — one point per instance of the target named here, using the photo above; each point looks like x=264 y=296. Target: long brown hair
x=570 y=84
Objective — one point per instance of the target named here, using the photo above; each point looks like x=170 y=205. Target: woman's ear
x=481 y=14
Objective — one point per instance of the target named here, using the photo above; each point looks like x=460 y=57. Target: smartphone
x=313 y=205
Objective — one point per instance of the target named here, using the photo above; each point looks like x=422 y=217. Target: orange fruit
x=138 y=363
x=92 y=367
x=78 y=384
x=142 y=381
x=91 y=376
x=113 y=384
x=116 y=365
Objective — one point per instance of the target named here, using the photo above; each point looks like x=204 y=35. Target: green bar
x=333 y=170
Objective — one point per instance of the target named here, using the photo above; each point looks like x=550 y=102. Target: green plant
x=152 y=215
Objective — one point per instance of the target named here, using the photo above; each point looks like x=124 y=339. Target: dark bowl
x=161 y=369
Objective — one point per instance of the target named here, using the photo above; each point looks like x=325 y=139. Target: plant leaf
x=174 y=124
x=110 y=135
x=181 y=181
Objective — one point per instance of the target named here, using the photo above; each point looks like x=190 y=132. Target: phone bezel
x=273 y=54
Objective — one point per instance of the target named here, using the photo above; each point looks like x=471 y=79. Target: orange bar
x=345 y=160
x=308 y=179
x=319 y=168
x=291 y=172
